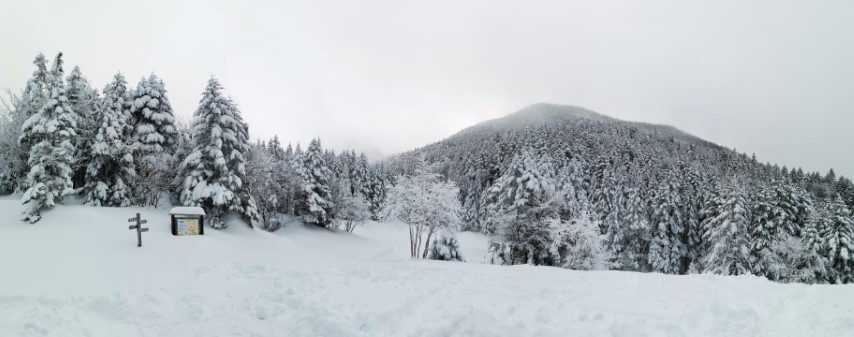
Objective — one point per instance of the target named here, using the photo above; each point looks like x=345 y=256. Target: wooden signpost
x=138 y=228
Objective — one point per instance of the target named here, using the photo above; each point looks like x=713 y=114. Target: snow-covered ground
x=78 y=272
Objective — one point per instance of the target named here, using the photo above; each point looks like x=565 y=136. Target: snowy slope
x=79 y=273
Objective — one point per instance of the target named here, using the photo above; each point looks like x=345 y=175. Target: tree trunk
x=427 y=245
x=412 y=247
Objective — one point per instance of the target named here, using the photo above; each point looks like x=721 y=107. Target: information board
x=188 y=227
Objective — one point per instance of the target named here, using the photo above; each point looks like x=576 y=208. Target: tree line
x=120 y=147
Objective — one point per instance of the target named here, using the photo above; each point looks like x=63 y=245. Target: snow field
x=78 y=272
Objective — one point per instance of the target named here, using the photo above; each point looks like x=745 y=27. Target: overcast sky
x=775 y=78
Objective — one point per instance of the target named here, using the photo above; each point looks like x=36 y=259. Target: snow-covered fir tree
x=729 y=252
x=213 y=175
x=51 y=131
x=86 y=104
x=523 y=202
x=152 y=118
x=262 y=168
x=629 y=245
x=836 y=233
x=667 y=248
x=316 y=206
x=154 y=140
x=33 y=98
x=110 y=171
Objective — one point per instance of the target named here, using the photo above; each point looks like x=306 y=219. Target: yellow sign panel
x=188 y=227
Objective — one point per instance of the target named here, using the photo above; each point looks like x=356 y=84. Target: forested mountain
x=663 y=200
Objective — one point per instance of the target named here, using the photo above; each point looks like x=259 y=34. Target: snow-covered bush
x=497 y=253
x=445 y=248
x=350 y=209
x=425 y=203
x=583 y=246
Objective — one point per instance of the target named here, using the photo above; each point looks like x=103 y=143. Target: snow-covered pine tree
x=666 y=248
x=729 y=251
x=837 y=237
x=262 y=168
x=359 y=175
x=154 y=140
x=33 y=98
x=807 y=260
x=765 y=234
x=85 y=102
x=316 y=205
x=111 y=168
x=523 y=202
x=51 y=132
x=630 y=245
x=376 y=191
x=692 y=201
x=780 y=212
x=213 y=174
x=152 y=118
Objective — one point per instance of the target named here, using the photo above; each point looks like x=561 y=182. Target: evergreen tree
x=629 y=245
x=154 y=140
x=524 y=202
x=316 y=206
x=152 y=118
x=111 y=168
x=213 y=175
x=729 y=253
x=764 y=233
x=34 y=97
x=51 y=132
x=85 y=103
x=666 y=248
x=837 y=236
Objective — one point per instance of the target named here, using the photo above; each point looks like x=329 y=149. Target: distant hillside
x=546 y=114
x=664 y=199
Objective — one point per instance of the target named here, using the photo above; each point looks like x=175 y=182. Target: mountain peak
x=549 y=111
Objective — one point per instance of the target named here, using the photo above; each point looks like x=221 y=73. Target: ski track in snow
x=79 y=273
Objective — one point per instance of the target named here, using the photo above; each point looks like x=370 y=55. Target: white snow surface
x=187 y=211
x=78 y=272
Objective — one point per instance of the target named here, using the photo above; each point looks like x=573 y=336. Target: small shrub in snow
x=445 y=248
x=497 y=253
